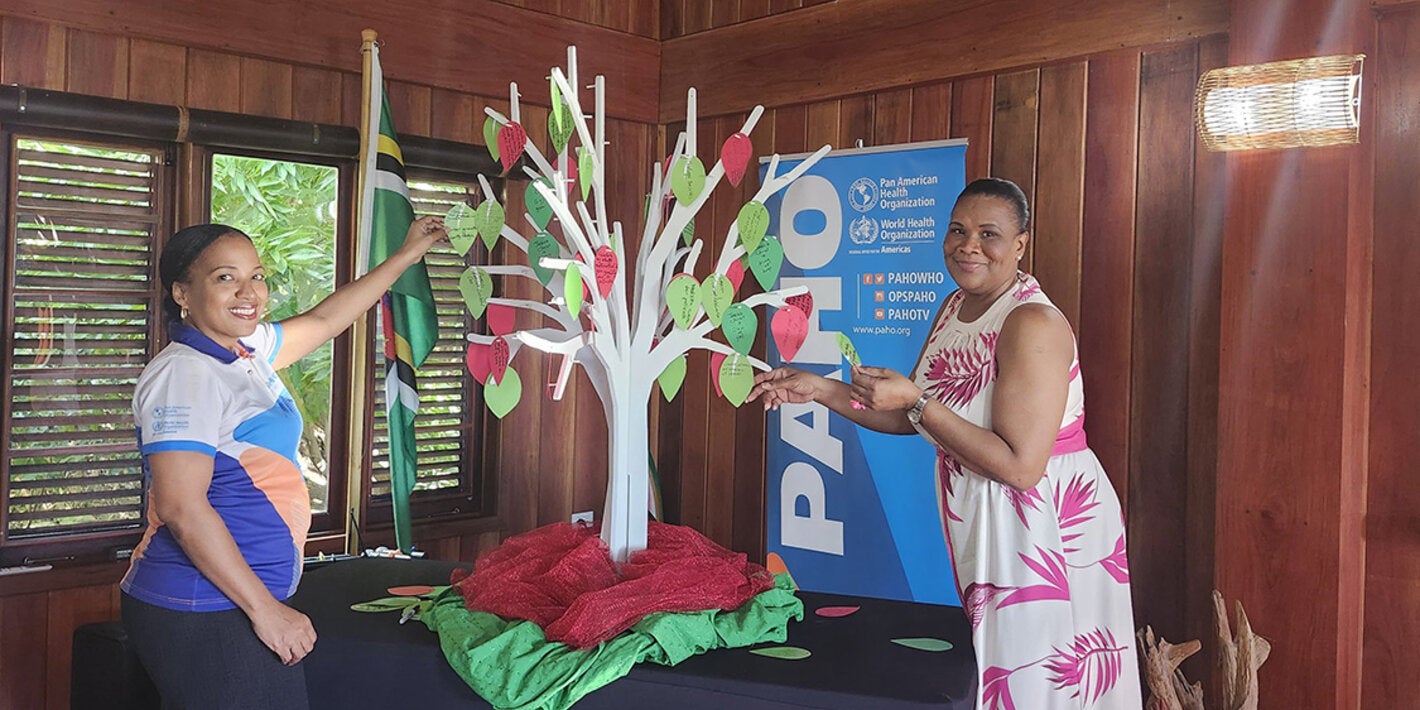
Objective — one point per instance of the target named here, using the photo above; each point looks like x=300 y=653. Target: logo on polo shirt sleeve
x=171 y=419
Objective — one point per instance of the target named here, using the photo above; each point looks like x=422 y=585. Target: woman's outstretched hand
x=424 y=233
x=881 y=389
x=784 y=385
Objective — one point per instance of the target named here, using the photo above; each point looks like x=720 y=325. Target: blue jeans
x=210 y=660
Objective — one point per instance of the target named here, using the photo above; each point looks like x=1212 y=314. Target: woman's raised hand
x=424 y=233
x=784 y=385
x=881 y=389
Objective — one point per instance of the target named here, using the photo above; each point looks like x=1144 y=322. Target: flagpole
x=357 y=436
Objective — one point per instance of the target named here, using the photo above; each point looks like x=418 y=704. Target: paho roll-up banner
x=853 y=511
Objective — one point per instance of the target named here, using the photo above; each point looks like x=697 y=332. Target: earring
x=183 y=314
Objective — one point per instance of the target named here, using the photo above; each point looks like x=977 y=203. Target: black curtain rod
x=43 y=108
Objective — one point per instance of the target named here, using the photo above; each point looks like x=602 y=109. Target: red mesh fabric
x=561 y=578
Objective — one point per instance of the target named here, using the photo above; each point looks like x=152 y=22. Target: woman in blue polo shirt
x=228 y=510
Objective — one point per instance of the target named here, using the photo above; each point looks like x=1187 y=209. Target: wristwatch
x=914 y=414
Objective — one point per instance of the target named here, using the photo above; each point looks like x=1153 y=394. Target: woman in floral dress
x=1032 y=523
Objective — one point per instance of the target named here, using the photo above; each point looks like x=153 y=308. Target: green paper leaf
x=683 y=299
x=739 y=326
x=736 y=378
x=543 y=245
x=845 y=346
x=687 y=179
x=502 y=396
x=766 y=261
x=538 y=207
x=385 y=604
x=716 y=294
x=752 y=221
x=489 y=219
x=490 y=136
x=462 y=226
x=672 y=378
x=687 y=235
x=934 y=645
x=585 y=170
x=786 y=653
x=476 y=286
x=559 y=127
x=572 y=289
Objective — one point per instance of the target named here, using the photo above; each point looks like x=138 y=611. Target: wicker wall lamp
x=1300 y=102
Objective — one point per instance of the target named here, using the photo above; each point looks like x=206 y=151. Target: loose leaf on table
x=490 y=136
x=790 y=328
x=836 y=612
x=735 y=155
x=476 y=286
x=489 y=219
x=502 y=396
x=672 y=378
x=766 y=261
x=542 y=246
x=736 y=378
x=687 y=179
x=605 y=267
x=753 y=222
x=411 y=590
x=716 y=294
x=385 y=604
x=683 y=299
x=462 y=225
x=934 y=645
x=511 y=140
x=786 y=653
x=538 y=207
x=740 y=325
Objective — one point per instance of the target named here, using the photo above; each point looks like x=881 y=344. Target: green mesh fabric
x=514 y=667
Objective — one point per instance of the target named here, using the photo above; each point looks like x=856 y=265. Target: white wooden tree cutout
x=629 y=333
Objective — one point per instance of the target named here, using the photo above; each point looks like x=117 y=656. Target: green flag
x=408 y=319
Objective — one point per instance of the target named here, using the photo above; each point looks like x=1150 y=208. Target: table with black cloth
x=369 y=660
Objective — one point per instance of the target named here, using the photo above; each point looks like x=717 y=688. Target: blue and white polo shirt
x=199 y=396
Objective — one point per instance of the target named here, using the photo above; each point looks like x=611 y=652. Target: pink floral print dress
x=1042 y=573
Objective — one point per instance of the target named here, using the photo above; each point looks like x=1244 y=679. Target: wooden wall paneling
x=822 y=124
x=157 y=72
x=316 y=95
x=588 y=12
x=892 y=117
x=778 y=6
x=34 y=54
x=788 y=135
x=782 y=55
x=1107 y=261
x=350 y=98
x=266 y=88
x=524 y=457
x=445 y=548
x=1158 y=435
x=645 y=18
x=409 y=105
x=672 y=19
x=1204 y=316
x=971 y=119
x=671 y=416
x=723 y=12
x=697 y=19
x=754 y=9
x=931 y=112
x=721 y=473
x=68 y=610
x=1060 y=186
x=1393 y=512
x=855 y=121
x=322 y=33
x=22 y=662
x=97 y=64
x=1015 y=112
x=214 y=81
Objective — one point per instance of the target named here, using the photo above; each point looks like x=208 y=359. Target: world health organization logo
x=863 y=230
x=863 y=194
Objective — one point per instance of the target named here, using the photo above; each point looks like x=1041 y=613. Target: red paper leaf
x=479 y=364
x=835 y=612
x=736 y=274
x=803 y=302
x=511 y=141
x=498 y=357
x=790 y=328
x=412 y=590
x=715 y=360
x=605 y=267
x=735 y=155
x=501 y=318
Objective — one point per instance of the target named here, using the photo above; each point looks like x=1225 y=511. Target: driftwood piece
x=1168 y=688
x=1239 y=657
